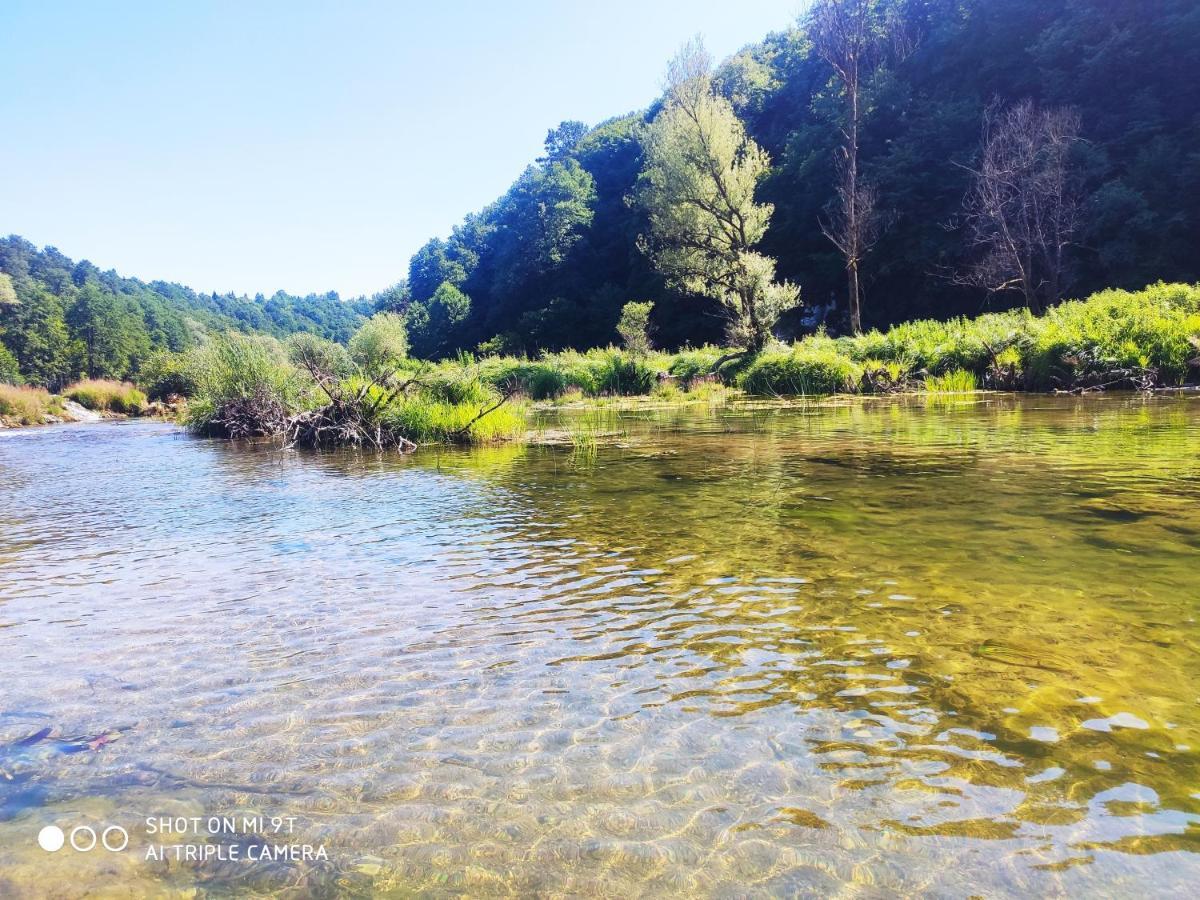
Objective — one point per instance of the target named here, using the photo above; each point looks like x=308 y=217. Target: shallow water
x=853 y=649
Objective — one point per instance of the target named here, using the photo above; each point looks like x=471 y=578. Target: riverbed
x=859 y=648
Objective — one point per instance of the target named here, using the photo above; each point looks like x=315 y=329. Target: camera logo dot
x=51 y=838
x=83 y=838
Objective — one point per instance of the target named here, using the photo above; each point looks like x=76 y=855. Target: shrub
x=26 y=405
x=380 y=344
x=958 y=381
x=634 y=327
x=164 y=374
x=245 y=386
x=806 y=368
x=688 y=365
x=100 y=395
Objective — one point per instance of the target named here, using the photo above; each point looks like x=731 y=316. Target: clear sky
x=307 y=146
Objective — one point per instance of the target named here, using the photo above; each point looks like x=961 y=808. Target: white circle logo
x=123 y=836
x=83 y=829
x=51 y=838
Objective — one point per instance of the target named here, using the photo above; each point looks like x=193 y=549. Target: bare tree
x=1022 y=211
x=848 y=35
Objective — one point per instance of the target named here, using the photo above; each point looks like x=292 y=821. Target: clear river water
x=854 y=648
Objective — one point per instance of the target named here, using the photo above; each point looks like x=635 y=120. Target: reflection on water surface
x=867 y=648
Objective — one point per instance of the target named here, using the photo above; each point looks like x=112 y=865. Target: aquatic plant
x=957 y=381
x=102 y=395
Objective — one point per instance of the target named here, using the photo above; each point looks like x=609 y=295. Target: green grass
x=101 y=395
x=956 y=381
x=596 y=373
x=424 y=419
x=813 y=366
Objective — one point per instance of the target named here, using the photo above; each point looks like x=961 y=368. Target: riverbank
x=311 y=392
x=85 y=401
x=1112 y=340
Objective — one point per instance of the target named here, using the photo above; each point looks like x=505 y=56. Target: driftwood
x=259 y=415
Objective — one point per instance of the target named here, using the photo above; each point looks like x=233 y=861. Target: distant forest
x=880 y=169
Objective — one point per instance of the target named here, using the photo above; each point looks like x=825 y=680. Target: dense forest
x=551 y=263
x=880 y=161
x=61 y=320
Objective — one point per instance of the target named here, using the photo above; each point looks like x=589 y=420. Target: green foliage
x=102 y=395
x=698 y=189
x=689 y=365
x=956 y=381
x=1114 y=337
x=634 y=327
x=433 y=323
x=1157 y=329
x=10 y=369
x=164 y=374
x=236 y=368
x=811 y=367
x=8 y=293
x=70 y=319
x=381 y=344
x=425 y=419
x=593 y=374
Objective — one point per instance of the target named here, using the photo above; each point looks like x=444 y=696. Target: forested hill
x=60 y=320
x=1000 y=153
x=550 y=263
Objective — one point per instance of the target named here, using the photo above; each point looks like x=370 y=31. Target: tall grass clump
x=25 y=405
x=593 y=373
x=425 y=419
x=956 y=381
x=245 y=387
x=814 y=366
x=102 y=395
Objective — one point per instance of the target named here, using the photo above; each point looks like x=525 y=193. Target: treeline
x=61 y=320
x=880 y=161
x=877 y=124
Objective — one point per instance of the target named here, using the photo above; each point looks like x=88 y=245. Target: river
x=851 y=648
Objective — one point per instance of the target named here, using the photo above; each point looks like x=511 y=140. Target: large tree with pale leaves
x=698 y=188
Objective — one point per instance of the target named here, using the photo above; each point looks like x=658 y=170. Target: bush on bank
x=102 y=395
x=312 y=392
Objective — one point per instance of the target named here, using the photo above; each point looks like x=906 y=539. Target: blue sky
x=307 y=146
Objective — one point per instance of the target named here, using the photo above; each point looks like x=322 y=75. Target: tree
x=432 y=266
x=380 y=345
x=847 y=34
x=1022 y=211
x=634 y=327
x=431 y=325
x=562 y=140
x=697 y=188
